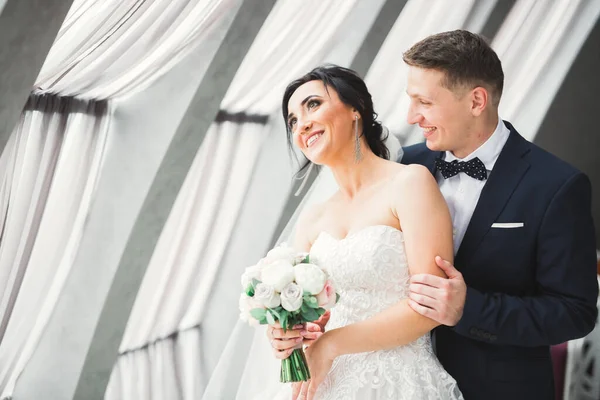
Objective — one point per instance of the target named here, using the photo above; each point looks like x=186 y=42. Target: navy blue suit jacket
x=529 y=287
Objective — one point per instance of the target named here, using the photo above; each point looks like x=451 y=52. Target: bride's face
x=321 y=124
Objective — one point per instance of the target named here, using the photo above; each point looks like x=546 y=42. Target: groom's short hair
x=466 y=59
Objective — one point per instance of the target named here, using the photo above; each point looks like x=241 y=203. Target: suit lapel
x=429 y=161
x=503 y=180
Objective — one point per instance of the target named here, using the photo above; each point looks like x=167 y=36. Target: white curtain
x=537 y=45
x=111 y=48
x=106 y=51
x=203 y=219
x=53 y=161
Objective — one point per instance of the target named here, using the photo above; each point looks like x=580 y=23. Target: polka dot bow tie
x=474 y=168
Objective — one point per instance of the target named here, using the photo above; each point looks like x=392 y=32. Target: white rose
x=285 y=252
x=291 y=297
x=246 y=304
x=250 y=273
x=278 y=274
x=266 y=295
x=310 y=278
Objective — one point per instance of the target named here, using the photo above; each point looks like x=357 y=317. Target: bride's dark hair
x=353 y=92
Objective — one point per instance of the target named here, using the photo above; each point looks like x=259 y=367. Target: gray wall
x=570 y=129
x=27 y=30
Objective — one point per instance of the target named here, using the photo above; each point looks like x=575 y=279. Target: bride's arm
x=427 y=227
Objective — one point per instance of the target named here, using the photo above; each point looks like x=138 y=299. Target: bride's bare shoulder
x=412 y=174
x=413 y=181
x=312 y=213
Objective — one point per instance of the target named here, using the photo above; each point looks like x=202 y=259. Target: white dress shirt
x=461 y=191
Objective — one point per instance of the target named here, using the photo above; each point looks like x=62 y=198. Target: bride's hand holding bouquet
x=285 y=288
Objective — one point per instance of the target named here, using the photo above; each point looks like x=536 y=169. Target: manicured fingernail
x=303 y=332
x=299 y=340
x=300 y=326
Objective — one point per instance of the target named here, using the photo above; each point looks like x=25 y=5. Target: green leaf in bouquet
x=283 y=320
x=270 y=318
x=312 y=302
x=292 y=319
x=304 y=308
x=337 y=297
x=310 y=315
x=258 y=314
x=306 y=260
x=255 y=282
x=321 y=311
x=250 y=290
x=276 y=314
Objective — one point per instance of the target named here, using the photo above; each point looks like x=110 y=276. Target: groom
x=523 y=232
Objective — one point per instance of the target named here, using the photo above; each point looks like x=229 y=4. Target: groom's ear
x=479 y=100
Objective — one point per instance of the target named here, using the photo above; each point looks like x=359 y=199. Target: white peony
x=247 y=303
x=266 y=295
x=250 y=273
x=285 y=252
x=278 y=274
x=263 y=262
x=310 y=278
x=291 y=297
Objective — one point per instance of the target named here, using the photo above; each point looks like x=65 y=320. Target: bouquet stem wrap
x=294 y=368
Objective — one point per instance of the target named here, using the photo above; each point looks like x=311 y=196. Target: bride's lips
x=307 y=138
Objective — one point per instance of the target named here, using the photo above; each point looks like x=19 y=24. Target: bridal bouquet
x=286 y=287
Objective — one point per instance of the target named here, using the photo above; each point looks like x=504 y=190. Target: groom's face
x=444 y=115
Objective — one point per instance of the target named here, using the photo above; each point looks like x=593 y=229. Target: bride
x=367 y=246
x=386 y=222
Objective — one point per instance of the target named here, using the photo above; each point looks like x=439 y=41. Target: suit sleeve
x=564 y=307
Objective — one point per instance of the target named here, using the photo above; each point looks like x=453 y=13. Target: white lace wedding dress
x=370 y=272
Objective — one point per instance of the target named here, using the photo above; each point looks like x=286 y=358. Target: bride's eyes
x=309 y=105
x=312 y=104
x=292 y=123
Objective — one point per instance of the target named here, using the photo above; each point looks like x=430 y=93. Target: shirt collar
x=489 y=151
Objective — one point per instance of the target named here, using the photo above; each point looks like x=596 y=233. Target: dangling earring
x=357 y=151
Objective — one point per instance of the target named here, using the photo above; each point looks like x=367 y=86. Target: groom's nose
x=413 y=117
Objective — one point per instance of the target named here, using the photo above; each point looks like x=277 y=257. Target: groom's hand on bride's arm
x=440 y=299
